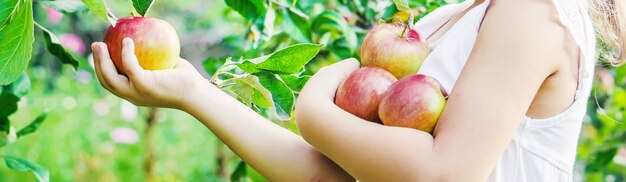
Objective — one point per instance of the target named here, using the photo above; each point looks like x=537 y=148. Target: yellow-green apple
x=156 y=43
x=395 y=47
x=360 y=93
x=415 y=101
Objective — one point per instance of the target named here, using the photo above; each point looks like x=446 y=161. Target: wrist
x=196 y=94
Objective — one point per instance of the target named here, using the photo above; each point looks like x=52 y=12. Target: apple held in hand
x=416 y=101
x=361 y=92
x=156 y=43
x=395 y=47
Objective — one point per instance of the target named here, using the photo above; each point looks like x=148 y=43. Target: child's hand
x=325 y=82
x=158 y=88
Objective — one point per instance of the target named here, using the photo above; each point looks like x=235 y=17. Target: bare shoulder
x=528 y=29
x=543 y=41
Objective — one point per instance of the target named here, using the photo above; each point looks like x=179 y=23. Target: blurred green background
x=91 y=135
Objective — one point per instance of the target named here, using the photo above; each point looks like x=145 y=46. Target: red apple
x=156 y=43
x=361 y=92
x=415 y=101
x=394 y=47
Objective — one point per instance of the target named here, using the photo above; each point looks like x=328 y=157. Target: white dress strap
x=447 y=60
x=541 y=150
x=429 y=24
x=574 y=14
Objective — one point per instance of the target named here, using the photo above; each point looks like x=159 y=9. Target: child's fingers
x=345 y=67
x=104 y=65
x=327 y=79
x=130 y=61
x=134 y=71
x=96 y=58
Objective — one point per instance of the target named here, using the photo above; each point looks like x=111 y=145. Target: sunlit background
x=91 y=135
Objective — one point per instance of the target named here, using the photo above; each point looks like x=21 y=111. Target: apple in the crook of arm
x=415 y=101
x=360 y=93
x=395 y=47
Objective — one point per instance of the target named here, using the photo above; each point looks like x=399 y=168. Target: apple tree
x=17 y=28
x=285 y=42
x=287 y=34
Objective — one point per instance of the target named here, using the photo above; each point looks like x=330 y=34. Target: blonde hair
x=610 y=22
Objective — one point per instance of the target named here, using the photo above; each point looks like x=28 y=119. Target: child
x=519 y=74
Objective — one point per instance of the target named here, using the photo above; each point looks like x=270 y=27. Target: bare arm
x=275 y=152
x=513 y=55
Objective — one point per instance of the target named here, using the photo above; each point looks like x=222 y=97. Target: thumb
x=327 y=79
x=339 y=71
x=129 y=60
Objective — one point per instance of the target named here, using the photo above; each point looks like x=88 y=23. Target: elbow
x=325 y=170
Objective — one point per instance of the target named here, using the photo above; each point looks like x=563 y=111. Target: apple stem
x=406 y=26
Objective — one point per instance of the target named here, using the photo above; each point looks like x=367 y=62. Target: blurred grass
x=75 y=144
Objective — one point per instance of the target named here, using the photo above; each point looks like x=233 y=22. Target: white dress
x=542 y=149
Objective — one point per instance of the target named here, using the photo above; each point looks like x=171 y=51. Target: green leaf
x=601 y=158
x=33 y=126
x=402 y=5
x=262 y=99
x=249 y=67
x=9 y=136
x=211 y=64
x=19 y=87
x=8 y=104
x=16 y=45
x=291 y=59
x=66 y=6
x=330 y=21
x=296 y=26
x=249 y=90
x=142 y=6
x=99 y=8
x=5 y=126
x=53 y=45
x=41 y=173
x=281 y=94
x=342 y=48
x=249 y=9
x=240 y=172
x=6 y=10
x=295 y=82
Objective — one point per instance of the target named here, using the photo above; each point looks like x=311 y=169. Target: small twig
x=215 y=76
x=222 y=160
x=149 y=160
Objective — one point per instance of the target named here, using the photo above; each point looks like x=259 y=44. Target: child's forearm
x=272 y=150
